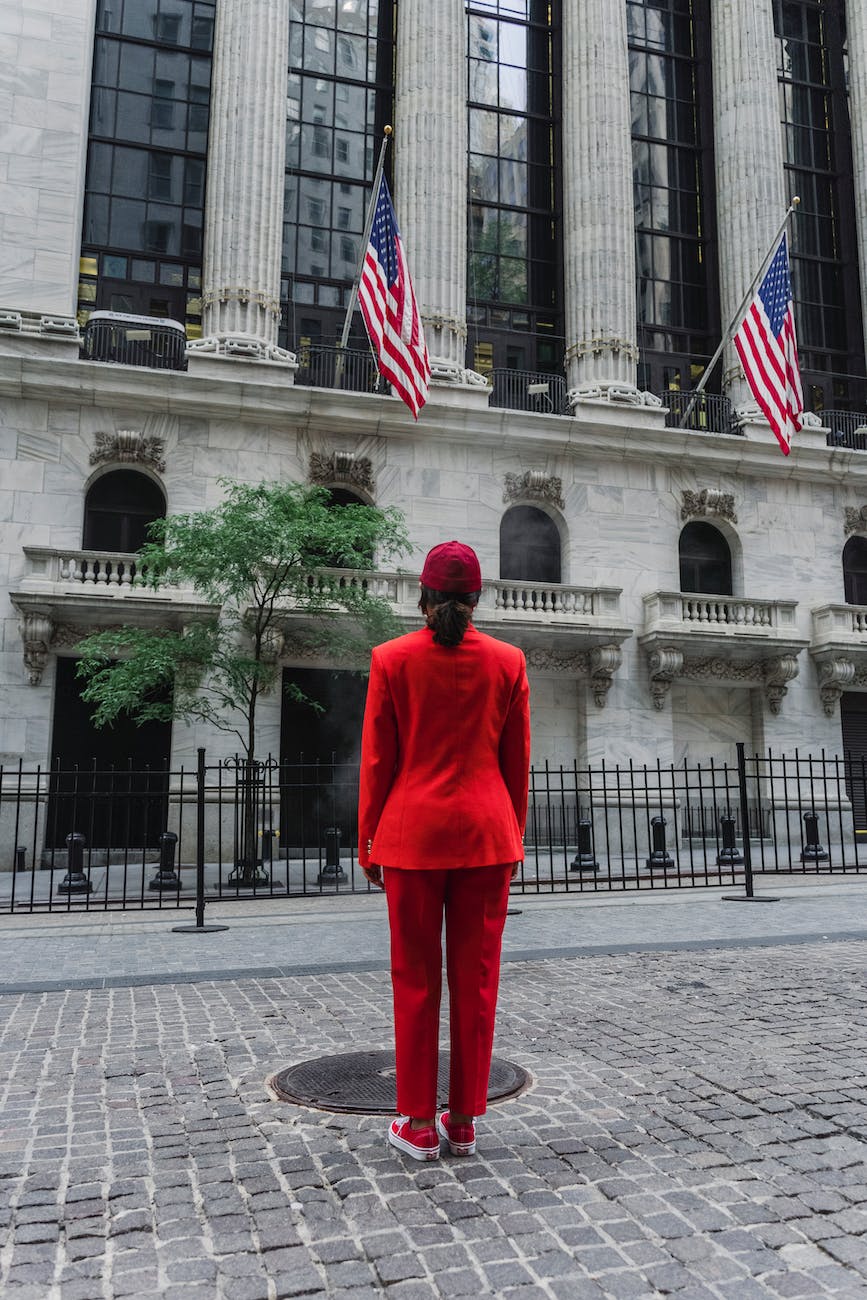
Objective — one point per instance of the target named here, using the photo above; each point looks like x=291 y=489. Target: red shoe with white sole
x=460 y=1137
x=420 y=1143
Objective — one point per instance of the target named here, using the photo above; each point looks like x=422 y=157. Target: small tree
x=257 y=555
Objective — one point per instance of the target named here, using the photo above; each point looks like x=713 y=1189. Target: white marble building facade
x=623 y=665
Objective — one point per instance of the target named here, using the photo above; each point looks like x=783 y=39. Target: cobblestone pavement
x=697 y=1126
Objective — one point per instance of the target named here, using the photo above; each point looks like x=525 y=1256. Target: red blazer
x=445 y=754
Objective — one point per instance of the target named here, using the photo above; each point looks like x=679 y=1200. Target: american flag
x=766 y=345
x=390 y=311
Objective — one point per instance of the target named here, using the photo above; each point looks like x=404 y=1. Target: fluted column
x=246 y=163
x=598 y=222
x=856 y=31
x=430 y=172
x=748 y=140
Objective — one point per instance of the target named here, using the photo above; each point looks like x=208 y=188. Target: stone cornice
x=255 y=393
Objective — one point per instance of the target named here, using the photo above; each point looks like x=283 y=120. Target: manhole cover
x=363 y=1083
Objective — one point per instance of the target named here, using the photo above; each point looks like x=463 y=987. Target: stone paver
x=697 y=1127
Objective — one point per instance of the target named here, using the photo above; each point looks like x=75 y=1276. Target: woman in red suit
x=442 y=805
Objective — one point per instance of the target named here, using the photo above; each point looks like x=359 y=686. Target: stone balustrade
x=831 y=622
x=55 y=573
x=724 y=615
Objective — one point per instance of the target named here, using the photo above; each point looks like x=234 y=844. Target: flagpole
x=730 y=332
x=365 y=240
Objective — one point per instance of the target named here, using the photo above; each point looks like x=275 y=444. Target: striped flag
x=766 y=345
x=390 y=311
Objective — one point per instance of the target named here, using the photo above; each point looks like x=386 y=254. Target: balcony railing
x=151 y=341
x=728 y=615
x=832 y=622
x=528 y=390
x=61 y=573
x=320 y=366
x=711 y=413
x=848 y=429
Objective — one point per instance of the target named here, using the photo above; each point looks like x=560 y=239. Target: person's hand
x=373 y=874
x=515 y=868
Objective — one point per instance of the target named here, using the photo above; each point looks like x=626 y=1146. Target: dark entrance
x=319 y=754
x=853 y=717
x=119 y=507
x=111 y=783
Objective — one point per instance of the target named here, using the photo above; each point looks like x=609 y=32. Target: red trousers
x=474 y=900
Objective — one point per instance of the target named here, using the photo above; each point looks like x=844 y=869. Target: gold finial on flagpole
x=796 y=199
x=389 y=130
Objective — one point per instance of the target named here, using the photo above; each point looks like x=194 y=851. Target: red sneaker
x=460 y=1137
x=420 y=1143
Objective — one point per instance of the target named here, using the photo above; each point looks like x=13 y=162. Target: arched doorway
x=529 y=546
x=118 y=509
x=705 y=560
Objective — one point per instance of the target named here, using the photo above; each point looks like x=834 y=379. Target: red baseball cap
x=452 y=566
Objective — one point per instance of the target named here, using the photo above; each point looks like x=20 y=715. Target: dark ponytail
x=448 y=613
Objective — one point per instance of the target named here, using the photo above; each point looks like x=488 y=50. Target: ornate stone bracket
x=856 y=519
x=36 y=633
x=778 y=673
x=708 y=503
x=129 y=446
x=604 y=662
x=836 y=675
x=668 y=662
x=342 y=467
x=597 y=665
x=534 y=485
x=664 y=665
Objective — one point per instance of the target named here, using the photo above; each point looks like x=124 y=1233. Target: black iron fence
x=708 y=412
x=111 y=838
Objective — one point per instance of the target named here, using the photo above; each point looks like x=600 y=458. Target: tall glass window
x=145 y=185
x=673 y=190
x=818 y=154
x=339 y=97
x=513 y=280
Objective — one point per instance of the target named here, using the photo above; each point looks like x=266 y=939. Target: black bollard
x=660 y=858
x=166 y=877
x=812 y=851
x=332 y=873
x=584 y=859
x=728 y=855
x=75 y=881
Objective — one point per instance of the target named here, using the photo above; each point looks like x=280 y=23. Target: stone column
x=748 y=140
x=856 y=30
x=598 y=222
x=246 y=164
x=430 y=173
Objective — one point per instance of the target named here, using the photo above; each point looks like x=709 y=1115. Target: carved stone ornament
x=604 y=662
x=718 y=669
x=778 y=673
x=241 y=346
x=129 y=446
x=708 y=503
x=856 y=519
x=342 y=467
x=664 y=665
x=835 y=676
x=534 y=485
x=36 y=633
x=571 y=663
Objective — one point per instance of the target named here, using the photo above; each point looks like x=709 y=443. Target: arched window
x=855 y=571
x=705 y=560
x=529 y=546
x=118 y=509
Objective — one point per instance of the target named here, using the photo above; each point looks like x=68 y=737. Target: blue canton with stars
x=384 y=234
x=775 y=290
